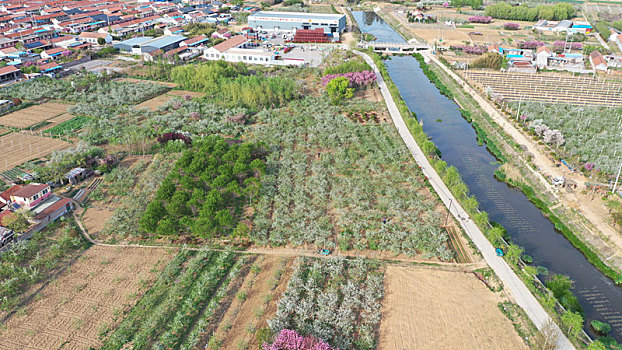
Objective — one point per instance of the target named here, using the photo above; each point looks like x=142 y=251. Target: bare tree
x=547 y=338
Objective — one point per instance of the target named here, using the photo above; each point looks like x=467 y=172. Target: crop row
x=69 y=126
x=170 y=309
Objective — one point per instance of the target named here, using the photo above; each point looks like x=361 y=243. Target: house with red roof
x=31 y=195
x=9 y=73
x=215 y=52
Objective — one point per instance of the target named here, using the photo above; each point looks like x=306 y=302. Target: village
x=205 y=174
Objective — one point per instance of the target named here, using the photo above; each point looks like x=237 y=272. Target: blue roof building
x=147 y=44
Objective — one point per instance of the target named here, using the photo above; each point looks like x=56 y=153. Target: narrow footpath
x=511 y=281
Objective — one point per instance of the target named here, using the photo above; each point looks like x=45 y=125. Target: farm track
x=451 y=266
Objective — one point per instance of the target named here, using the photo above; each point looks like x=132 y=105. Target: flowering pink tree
x=445 y=4
x=532 y=44
x=288 y=339
x=470 y=49
x=357 y=79
x=480 y=19
x=559 y=46
x=66 y=53
x=588 y=166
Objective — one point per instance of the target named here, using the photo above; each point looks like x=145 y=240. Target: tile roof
x=29 y=190
x=52 y=208
x=231 y=43
x=6 y=195
x=8 y=69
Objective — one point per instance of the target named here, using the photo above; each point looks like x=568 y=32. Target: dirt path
x=427 y=310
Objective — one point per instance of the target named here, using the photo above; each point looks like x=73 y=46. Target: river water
x=600 y=298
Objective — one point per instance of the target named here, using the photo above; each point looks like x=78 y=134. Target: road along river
x=600 y=298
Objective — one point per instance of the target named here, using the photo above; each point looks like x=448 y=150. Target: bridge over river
x=392 y=48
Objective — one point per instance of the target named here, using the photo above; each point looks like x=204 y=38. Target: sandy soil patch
x=30 y=116
x=18 y=148
x=432 y=309
x=72 y=311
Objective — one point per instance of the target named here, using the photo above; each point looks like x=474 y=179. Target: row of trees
x=205 y=193
x=504 y=10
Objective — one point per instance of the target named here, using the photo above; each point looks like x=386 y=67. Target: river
x=600 y=298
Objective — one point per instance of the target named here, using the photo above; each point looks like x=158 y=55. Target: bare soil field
x=18 y=148
x=30 y=116
x=95 y=219
x=85 y=301
x=183 y=93
x=254 y=304
x=154 y=103
x=433 y=309
x=133 y=80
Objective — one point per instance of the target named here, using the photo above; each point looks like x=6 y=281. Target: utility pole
x=519 y=103
x=617 y=178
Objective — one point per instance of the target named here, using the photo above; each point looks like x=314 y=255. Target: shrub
x=470 y=49
x=171 y=136
x=338 y=90
x=488 y=60
x=532 y=44
x=511 y=26
x=288 y=339
x=357 y=79
x=480 y=19
x=601 y=327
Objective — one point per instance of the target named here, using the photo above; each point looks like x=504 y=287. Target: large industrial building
x=290 y=21
x=146 y=44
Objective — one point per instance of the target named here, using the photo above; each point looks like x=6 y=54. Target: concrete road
x=511 y=281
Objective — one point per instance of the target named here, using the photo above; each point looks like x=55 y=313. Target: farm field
x=252 y=305
x=33 y=115
x=18 y=148
x=134 y=80
x=77 y=307
x=155 y=103
x=433 y=309
x=330 y=182
x=58 y=120
x=182 y=303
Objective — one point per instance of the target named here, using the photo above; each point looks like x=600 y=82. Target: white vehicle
x=559 y=181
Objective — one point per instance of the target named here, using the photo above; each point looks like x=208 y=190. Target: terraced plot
x=27 y=117
x=18 y=148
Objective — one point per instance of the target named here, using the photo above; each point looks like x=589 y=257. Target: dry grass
x=434 y=309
